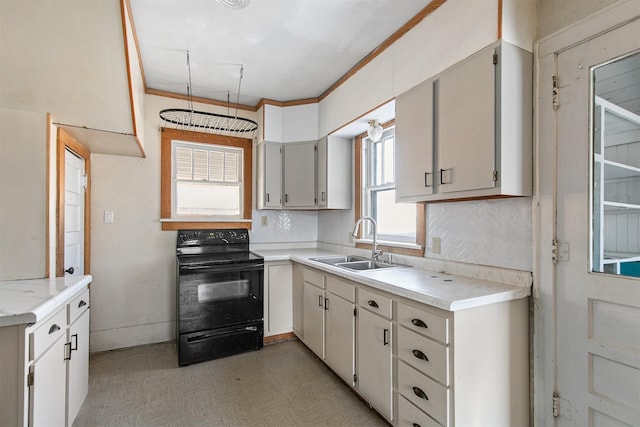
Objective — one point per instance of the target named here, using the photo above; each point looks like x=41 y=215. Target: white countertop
x=27 y=301
x=445 y=291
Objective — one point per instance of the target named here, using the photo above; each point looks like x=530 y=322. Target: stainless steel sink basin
x=333 y=260
x=366 y=265
x=354 y=262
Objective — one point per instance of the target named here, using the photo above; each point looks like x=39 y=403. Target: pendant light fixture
x=375 y=130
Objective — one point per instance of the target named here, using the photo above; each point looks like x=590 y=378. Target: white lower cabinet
x=313 y=318
x=375 y=362
x=278 y=298
x=77 y=366
x=418 y=365
x=48 y=373
x=340 y=328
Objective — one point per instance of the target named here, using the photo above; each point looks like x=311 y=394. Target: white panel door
x=74 y=213
x=597 y=314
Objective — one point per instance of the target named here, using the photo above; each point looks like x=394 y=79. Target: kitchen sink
x=333 y=260
x=354 y=262
x=366 y=265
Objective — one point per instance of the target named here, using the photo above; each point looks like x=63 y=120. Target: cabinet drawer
x=410 y=416
x=375 y=303
x=78 y=305
x=427 y=356
x=341 y=288
x=426 y=394
x=46 y=334
x=424 y=322
x=314 y=277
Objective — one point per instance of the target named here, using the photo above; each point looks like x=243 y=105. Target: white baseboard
x=111 y=339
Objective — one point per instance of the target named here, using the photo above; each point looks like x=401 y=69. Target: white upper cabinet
x=269 y=175
x=299 y=171
x=468 y=131
x=414 y=143
x=334 y=173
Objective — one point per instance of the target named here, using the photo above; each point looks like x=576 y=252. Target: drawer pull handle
x=326 y=303
x=54 y=328
x=416 y=425
x=373 y=304
x=65 y=351
x=319 y=300
x=82 y=303
x=74 y=347
x=419 y=323
x=421 y=394
x=420 y=355
x=385 y=340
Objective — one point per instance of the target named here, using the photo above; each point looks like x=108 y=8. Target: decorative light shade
x=234 y=4
x=375 y=130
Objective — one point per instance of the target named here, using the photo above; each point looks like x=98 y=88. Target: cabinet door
x=47 y=405
x=299 y=175
x=466 y=125
x=322 y=172
x=414 y=143
x=272 y=175
x=78 y=366
x=298 y=300
x=278 y=315
x=313 y=323
x=375 y=369
x=339 y=336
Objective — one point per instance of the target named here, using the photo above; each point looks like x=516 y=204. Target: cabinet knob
x=372 y=303
x=419 y=323
x=421 y=394
x=69 y=270
x=420 y=355
x=54 y=328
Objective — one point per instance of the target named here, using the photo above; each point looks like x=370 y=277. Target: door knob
x=69 y=270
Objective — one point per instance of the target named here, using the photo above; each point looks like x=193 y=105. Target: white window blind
x=207 y=180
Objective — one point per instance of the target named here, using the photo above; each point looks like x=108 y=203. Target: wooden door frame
x=65 y=141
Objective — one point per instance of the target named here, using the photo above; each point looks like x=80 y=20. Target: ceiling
x=288 y=49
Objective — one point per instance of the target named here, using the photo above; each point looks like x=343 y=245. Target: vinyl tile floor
x=283 y=384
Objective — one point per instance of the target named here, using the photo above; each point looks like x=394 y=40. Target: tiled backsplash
x=284 y=226
x=487 y=232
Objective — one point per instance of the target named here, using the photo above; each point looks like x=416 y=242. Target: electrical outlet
x=435 y=245
x=108 y=216
x=350 y=237
x=264 y=220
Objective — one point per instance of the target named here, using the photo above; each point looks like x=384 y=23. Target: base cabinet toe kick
x=415 y=364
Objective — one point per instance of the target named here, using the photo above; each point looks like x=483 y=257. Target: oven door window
x=209 y=300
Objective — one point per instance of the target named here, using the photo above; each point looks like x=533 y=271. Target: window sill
x=169 y=224
x=402 y=248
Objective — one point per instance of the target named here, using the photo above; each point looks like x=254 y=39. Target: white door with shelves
x=597 y=310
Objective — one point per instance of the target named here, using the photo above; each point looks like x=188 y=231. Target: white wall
x=554 y=15
x=23 y=194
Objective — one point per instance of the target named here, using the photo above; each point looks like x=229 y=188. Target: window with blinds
x=207 y=180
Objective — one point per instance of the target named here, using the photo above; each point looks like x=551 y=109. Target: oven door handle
x=221 y=268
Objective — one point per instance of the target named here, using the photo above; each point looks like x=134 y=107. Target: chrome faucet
x=374 y=248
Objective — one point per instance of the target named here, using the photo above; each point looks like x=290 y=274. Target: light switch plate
x=264 y=220
x=108 y=216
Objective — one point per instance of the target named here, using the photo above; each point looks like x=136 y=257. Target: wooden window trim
x=421 y=232
x=64 y=141
x=167 y=135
